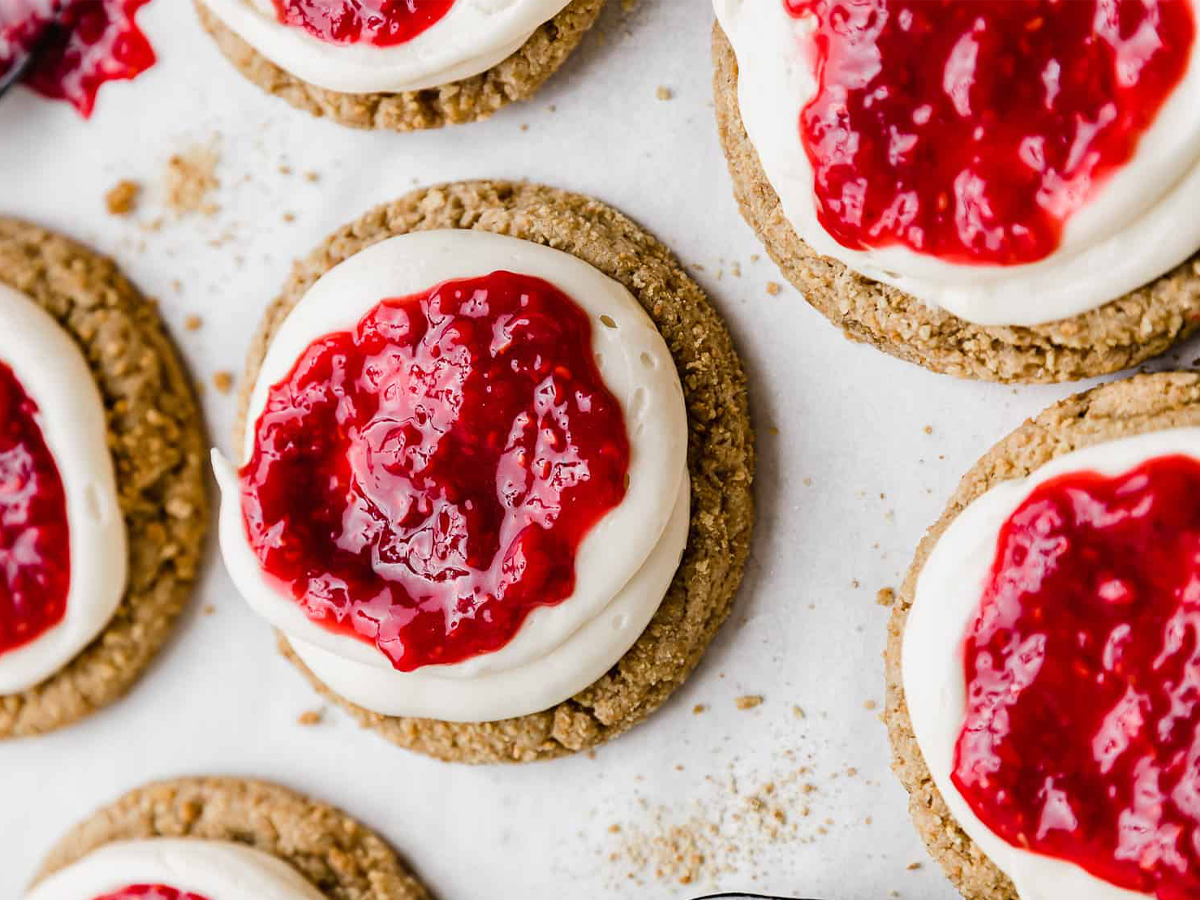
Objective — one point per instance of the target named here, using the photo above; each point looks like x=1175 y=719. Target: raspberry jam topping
x=423 y=482
x=94 y=42
x=383 y=23
x=1082 y=732
x=35 y=560
x=150 y=892
x=972 y=130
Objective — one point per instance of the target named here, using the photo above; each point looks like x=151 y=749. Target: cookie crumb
x=698 y=708
x=885 y=596
x=664 y=93
x=209 y=609
x=773 y=288
x=869 y=704
x=223 y=381
x=749 y=701
x=193 y=323
x=122 y=198
x=191 y=177
x=913 y=866
x=797 y=711
x=311 y=717
x=289 y=217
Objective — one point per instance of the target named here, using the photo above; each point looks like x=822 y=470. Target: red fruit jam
x=972 y=130
x=423 y=482
x=35 y=556
x=96 y=41
x=1082 y=732
x=150 y=892
x=383 y=23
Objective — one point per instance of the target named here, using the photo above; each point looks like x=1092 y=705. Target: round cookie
x=720 y=456
x=1121 y=409
x=1115 y=336
x=469 y=100
x=343 y=858
x=157 y=443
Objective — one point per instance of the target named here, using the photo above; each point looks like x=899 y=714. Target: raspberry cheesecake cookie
x=222 y=839
x=997 y=190
x=473 y=492
x=102 y=499
x=398 y=65
x=1042 y=663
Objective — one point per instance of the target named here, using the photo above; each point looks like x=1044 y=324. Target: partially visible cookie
x=469 y=100
x=156 y=441
x=720 y=456
x=1115 y=336
x=1122 y=409
x=340 y=856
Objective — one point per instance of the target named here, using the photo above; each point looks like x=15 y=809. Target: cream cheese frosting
x=623 y=565
x=53 y=372
x=948 y=593
x=1139 y=226
x=216 y=870
x=471 y=38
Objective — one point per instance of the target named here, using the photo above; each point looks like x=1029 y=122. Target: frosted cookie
x=954 y=216
x=472 y=491
x=102 y=499
x=402 y=67
x=222 y=839
x=1042 y=656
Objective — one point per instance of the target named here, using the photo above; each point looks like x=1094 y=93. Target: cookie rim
x=56 y=701
x=1143 y=403
x=870 y=312
x=408 y=731
x=421 y=110
x=105 y=826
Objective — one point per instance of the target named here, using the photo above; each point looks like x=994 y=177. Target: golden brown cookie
x=1121 y=409
x=470 y=100
x=157 y=443
x=1120 y=334
x=720 y=456
x=343 y=858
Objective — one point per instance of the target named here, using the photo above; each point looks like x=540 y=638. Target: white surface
x=71 y=418
x=472 y=37
x=549 y=659
x=947 y=601
x=846 y=486
x=208 y=868
x=1136 y=228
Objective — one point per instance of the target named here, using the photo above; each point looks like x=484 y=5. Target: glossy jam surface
x=150 y=892
x=96 y=41
x=424 y=482
x=383 y=23
x=1082 y=733
x=972 y=130
x=35 y=562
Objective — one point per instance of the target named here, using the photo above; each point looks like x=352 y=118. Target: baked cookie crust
x=157 y=443
x=1121 y=409
x=1118 y=335
x=469 y=100
x=343 y=858
x=720 y=456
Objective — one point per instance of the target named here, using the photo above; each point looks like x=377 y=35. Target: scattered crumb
x=913 y=866
x=749 y=701
x=698 y=708
x=312 y=717
x=285 y=170
x=223 y=381
x=191 y=177
x=773 y=288
x=123 y=197
x=289 y=217
x=193 y=323
x=209 y=609
x=869 y=704
x=664 y=93
x=736 y=269
x=312 y=177
x=798 y=712
x=754 y=257
x=885 y=596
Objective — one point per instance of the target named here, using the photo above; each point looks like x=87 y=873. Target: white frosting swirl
x=471 y=38
x=948 y=593
x=1141 y=224
x=53 y=373
x=216 y=870
x=623 y=565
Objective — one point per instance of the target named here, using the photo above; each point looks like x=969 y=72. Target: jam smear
x=1082 y=731
x=972 y=130
x=35 y=556
x=424 y=481
x=94 y=42
x=384 y=23
x=150 y=892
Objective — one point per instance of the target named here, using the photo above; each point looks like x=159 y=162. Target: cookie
x=720 y=456
x=1115 y=336
x=343 y=858
x=470 y=100
x=1122 y=409
x=157 y=444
